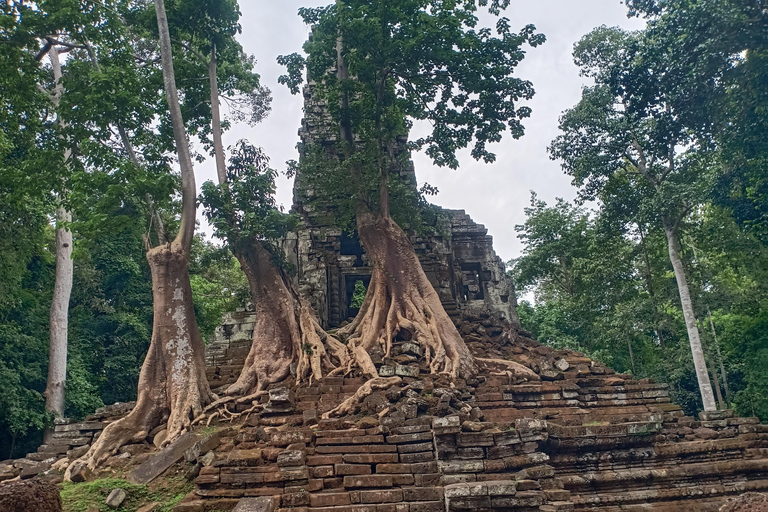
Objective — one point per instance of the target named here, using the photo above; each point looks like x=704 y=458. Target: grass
x=82 y=496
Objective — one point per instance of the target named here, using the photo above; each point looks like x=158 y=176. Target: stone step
x=668 y=499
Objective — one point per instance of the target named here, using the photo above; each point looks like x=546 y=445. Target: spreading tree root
x=513 y=369
x=401 y=298
x=351 y=404
x=220 y=408
x=287 y=335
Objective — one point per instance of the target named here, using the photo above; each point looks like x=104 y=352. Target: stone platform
x=578 y=436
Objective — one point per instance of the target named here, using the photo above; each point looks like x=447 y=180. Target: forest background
x=600 y=280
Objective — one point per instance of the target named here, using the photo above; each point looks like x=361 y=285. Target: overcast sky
x=492 y=194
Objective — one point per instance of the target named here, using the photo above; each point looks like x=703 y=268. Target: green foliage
x=358 y=295
x=410 y=60
x=599 y=290
x=85 y=496
x=218 y=284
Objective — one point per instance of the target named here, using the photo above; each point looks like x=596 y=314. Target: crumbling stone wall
x=458 y=258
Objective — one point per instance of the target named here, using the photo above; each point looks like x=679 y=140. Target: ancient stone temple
x=537 y=429
x=458 y=258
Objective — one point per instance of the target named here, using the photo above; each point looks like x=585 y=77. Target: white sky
x=492 y=194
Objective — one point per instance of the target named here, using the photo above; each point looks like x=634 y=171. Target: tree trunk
x=719 y=358
x=286 y=331
x=399 y=297
x=172 y=384
x=712 y=370
x=62 y=288
x=705 y=387
x=218 y=144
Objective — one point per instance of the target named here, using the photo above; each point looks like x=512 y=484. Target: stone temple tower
x=458 y=259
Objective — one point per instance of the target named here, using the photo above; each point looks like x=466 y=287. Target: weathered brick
x=329 y=499
x=409 y=458
x=381 y=496
x=241 y=478
x=392 y=507
x=353 y=482
x=410 y=438
x=412 y=448
x=466 y=439
x=370 y=458
x=424 y=467
x=393 y=468
x=422 y=493
x=323 y=460
x=403 y=480
x=427 y=479
x=427 y=506
x=207 y=479
x=412 y=429
x=295 y=499
x=375 y=448
x=352 y=469
x=322 y=471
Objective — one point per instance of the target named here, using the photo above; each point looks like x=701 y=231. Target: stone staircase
x=581 y=438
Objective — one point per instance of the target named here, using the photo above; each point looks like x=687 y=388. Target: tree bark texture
x=286 y=331
x=399 y=297
x=699 y=363
x=62 y=288
x=59 y=317
x=172 y=384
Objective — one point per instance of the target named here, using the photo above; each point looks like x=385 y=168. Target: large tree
x=173 y=388
x=625 y=129
x=397 y=62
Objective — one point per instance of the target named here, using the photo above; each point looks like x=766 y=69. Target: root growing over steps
x=350 y=405
x=286 y=332
x=400 y=297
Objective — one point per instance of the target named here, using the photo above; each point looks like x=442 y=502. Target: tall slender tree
x=624 y=128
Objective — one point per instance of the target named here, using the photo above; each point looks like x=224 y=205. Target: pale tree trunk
x=62 y=288
x=712 y=370
x=172 y=384
x=699 y=363
x=218 y=145
x=719 y=358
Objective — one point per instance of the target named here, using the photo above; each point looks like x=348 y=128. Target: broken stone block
x=411 y=348
x=447 y=425
x=291 y=458
x=407 y=371
x=162 y=460
x=116 y=498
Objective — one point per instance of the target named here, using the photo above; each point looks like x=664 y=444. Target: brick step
x=686 y=499
x=697 y=476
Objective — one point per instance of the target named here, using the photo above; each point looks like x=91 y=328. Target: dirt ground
x=749 y=502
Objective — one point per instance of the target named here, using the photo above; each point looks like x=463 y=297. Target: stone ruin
x=457 y=257
x=554 y=431
x=537 y=429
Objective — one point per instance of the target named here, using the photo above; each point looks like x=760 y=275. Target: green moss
x=82 y=496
